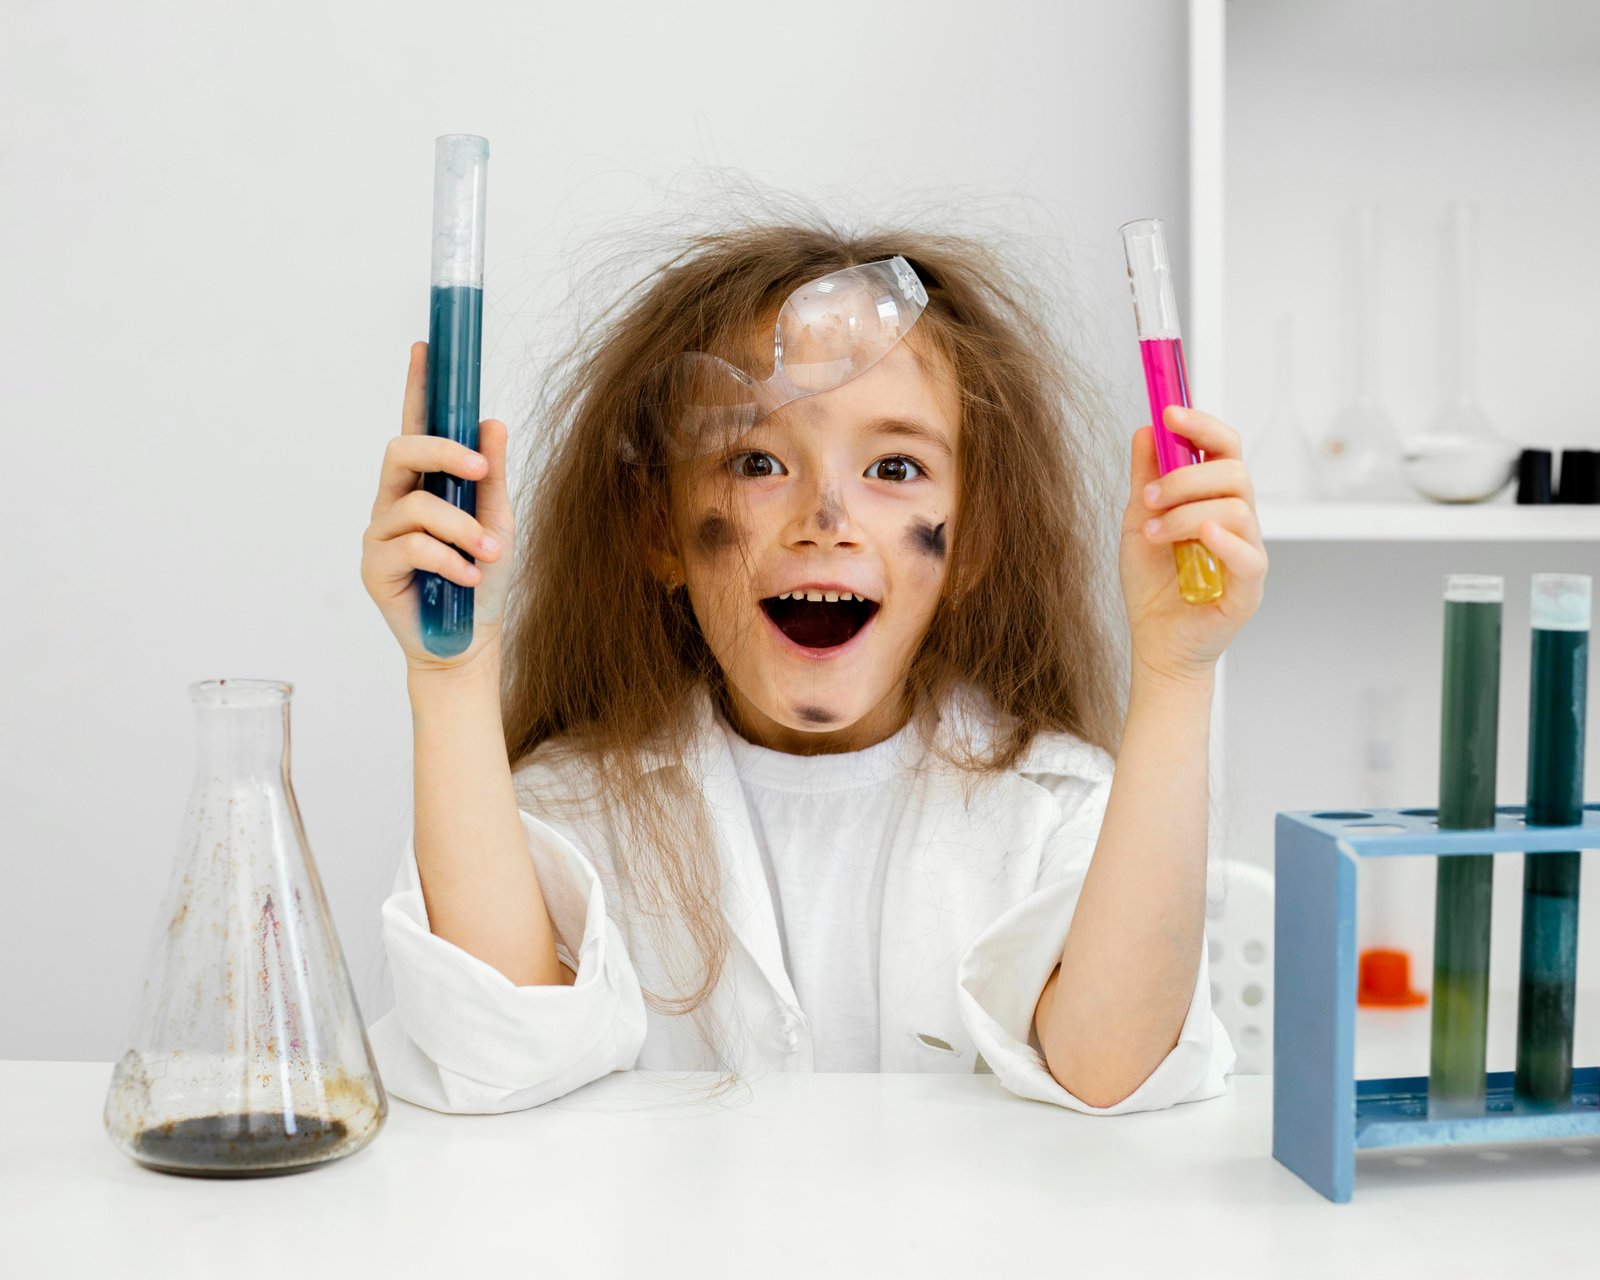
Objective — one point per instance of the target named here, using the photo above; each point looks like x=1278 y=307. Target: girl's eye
x=897 y=468
x=755 y=465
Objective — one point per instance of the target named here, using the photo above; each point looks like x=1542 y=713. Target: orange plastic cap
x=1385 y=981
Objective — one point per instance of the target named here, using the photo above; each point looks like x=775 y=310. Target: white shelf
x=1289 y=521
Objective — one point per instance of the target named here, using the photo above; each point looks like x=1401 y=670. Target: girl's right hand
x=413 y=529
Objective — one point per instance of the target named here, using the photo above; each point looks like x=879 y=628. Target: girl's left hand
x=1212 y=502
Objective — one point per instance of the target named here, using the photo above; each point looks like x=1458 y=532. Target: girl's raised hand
x=1212 y=502
x=413 y=529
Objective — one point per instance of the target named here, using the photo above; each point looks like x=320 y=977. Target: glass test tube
x=1468 y=741
x=1556 y=710
x=455 y=344
x=1155 y=312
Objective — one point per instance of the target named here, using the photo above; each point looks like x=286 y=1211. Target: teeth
x=830 y=596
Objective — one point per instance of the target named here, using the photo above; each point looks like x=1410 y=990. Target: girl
x=785 y=740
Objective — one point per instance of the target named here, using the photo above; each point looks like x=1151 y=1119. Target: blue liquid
x=455 y=343
x=1550 y=880
x=1548 y=990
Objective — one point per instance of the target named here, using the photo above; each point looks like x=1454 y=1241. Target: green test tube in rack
x=1557 y=705
x=1468 y=742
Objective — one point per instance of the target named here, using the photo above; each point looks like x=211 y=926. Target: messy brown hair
x=599 y=655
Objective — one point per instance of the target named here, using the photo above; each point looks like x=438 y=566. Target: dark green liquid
x=253 y=1145
x=1559 y=698
x=1468 y=742
x=1549 y=978
x=1470 y=720
x=455 y=342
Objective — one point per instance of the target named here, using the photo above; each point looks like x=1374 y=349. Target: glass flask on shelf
x=1278 y=451
x=247 y=1055
x=1358 y=456
x=1460 y=457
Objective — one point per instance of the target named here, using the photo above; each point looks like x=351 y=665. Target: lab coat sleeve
x=1003 y=972
x=463 y=1037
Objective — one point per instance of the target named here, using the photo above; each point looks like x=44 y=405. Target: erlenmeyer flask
x=247 y=1054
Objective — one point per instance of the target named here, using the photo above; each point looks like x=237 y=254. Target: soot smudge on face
x=927 y=538
x=815 y=715
x=831 y=514
x=715 y=533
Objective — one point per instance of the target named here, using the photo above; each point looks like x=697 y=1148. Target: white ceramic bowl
x=1458 y=469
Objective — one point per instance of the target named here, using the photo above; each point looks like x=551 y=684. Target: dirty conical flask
x=247 y=1054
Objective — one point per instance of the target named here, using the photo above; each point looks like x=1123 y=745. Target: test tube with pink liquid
x=1155 y=311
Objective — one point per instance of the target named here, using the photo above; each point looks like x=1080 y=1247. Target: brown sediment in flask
x=256 y=1144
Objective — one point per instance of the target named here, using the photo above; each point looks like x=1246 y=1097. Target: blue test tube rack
x=1321 y=1114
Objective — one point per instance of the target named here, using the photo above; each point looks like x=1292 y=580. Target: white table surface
x=801 y=1175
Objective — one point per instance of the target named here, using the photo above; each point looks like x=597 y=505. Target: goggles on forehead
x=829 y=331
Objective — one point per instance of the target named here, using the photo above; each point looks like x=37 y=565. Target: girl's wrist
x=482 y=671
x=1184 y=682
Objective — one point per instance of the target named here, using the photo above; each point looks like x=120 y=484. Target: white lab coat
x=976 y=907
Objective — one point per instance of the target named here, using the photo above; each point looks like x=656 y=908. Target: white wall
x=215 y=246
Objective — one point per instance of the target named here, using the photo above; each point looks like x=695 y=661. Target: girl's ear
x=661 y=549
x=666 y=565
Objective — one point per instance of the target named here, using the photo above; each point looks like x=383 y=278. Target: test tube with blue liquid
x=455 y=348
x=1557 y=708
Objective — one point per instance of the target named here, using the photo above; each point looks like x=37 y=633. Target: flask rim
x=234 y=692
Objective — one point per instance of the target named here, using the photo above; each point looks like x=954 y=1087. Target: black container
x=1580 y=476
x=1533 y=478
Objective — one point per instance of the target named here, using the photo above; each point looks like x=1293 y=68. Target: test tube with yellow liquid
x=1155 y=311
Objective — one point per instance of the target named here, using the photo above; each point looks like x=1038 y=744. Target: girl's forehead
x=905 y=382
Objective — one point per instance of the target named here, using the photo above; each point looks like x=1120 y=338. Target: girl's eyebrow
x=915 y=428
x=911 y=428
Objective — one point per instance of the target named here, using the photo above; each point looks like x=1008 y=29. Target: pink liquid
x=1167 y=383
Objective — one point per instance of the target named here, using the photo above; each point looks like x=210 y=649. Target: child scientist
x=793 y=734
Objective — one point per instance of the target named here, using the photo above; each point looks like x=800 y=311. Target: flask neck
x=243 y=742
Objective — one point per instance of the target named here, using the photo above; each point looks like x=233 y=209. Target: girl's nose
x=822 y=514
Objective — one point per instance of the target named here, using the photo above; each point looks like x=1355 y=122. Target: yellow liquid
x=1199 y=574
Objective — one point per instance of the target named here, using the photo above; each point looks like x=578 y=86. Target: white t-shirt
x=825 y=825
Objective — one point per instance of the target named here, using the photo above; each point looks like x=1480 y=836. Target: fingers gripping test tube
x=455 y=346
x=1155 y=311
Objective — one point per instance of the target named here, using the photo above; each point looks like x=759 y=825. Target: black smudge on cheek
x=715 y=534
x=927 y=538
x=815 y=715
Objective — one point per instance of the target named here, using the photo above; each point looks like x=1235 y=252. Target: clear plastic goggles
x=829 y=331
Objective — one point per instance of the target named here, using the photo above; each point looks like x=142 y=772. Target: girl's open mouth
x=819 y=624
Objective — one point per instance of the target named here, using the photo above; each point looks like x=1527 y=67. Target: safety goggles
x=829 y=331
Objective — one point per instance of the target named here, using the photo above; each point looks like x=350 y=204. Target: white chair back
x=1239 y=951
